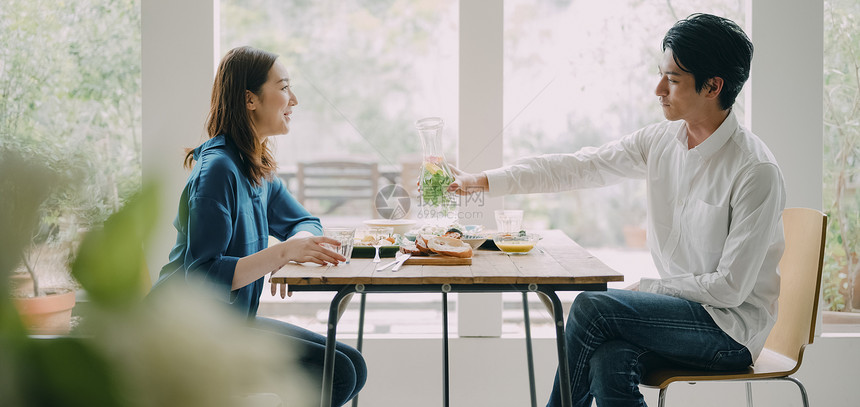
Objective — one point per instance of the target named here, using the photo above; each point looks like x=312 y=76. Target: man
x=715 y=199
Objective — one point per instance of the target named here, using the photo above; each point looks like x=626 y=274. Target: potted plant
x=45 y=294
x=43 y=289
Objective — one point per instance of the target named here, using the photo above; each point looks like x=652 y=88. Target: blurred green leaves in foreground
x=180 y=348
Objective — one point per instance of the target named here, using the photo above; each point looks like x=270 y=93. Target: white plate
x=400 y=226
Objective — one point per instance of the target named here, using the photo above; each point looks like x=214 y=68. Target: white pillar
x=786 y=88
x=480 y=138
x=179 y=44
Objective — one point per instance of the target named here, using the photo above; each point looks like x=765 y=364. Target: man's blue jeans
x=614 y=336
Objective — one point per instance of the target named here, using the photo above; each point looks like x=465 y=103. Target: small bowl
x=401 y=226
x=474 y=240
x=472 y=230
x=516 y=243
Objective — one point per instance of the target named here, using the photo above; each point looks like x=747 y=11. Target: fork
x=387 y=265
x=376 y=246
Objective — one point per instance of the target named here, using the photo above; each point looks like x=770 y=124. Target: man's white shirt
x=714 y=214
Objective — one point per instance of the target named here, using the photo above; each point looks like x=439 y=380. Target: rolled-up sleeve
x=210 y=229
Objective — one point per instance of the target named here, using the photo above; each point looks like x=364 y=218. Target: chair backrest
x=337 y=181
x=800 y=275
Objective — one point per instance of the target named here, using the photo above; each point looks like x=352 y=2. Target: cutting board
x=438 y=261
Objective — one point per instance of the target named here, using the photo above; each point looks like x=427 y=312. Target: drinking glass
x=346 y=237
x=509 y=221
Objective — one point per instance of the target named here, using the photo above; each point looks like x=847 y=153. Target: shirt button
x=680 y=202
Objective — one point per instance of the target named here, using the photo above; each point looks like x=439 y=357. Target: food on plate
x=370 y=240
x=449 y=246
x=436 y=229
x=454 y=233
x=441 y=245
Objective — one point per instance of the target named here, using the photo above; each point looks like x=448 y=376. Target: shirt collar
x=718 y=139
x=217 y=141
x=715 y=141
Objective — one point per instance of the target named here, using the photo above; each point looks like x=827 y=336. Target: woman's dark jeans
x=350 y=371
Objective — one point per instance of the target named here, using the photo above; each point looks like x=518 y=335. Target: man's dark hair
x=708 y=46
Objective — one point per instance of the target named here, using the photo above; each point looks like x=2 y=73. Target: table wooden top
x=555 y=260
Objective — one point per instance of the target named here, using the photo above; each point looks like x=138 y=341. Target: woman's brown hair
x=243 y=68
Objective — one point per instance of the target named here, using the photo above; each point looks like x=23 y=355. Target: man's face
x=676 y=91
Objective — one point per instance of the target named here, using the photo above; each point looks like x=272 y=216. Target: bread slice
x=421 y=243
x=410 y=248
x=449 y=246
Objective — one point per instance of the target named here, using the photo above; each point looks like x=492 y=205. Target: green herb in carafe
x=435 y=176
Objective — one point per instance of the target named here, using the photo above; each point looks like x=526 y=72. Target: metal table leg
x=445 y=349
x=360 y=340
x=529 y=354
x=331 y=340
x=563 y=368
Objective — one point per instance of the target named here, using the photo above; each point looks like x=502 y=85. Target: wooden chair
x=338 y=182
x=800 y=273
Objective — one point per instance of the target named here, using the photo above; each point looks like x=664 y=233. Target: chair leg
x=800 y=386
x=661 y=399
x=749 y=394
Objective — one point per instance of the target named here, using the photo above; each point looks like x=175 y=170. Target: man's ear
x=714 y=86
x=251 y=100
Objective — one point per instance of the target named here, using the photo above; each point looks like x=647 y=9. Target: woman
x=232 y=203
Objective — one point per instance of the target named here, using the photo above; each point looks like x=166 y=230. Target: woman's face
x=270 y=110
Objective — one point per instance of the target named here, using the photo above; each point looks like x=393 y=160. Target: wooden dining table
x=557 y=263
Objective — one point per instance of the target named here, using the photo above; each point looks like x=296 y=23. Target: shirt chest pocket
x=708 y=225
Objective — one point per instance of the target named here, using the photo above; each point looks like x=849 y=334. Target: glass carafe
x=436 y=175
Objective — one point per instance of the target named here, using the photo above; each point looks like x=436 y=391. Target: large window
x=582 y=73
x=841 y=156
x=70 y=98
x=363 y=72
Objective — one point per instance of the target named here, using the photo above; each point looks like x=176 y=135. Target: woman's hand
x=304 y=247
x=468 y=183
x=310 y=250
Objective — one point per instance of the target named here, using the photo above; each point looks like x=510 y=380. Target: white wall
x=178 y=49
x=480 y=139
x=786 y=92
